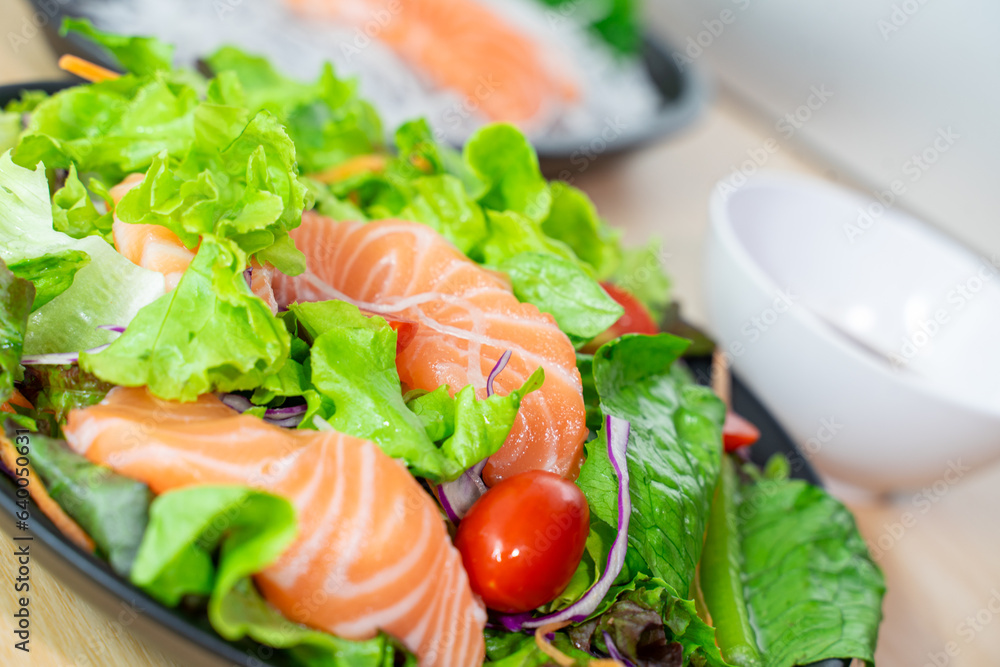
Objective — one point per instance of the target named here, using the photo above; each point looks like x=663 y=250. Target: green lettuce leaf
x=16 y=296
x=674 y=451
x=138 y=55
x=505 y=163
x=441 y=202
x=108 y=290
x=506 y=649
x=175 y=556
x=74 y=213
x=353 y=365
x=249 y=529
x=558 y=286
x=51 y=274
x=326 y=120
x=112 y=128
x=629 y=615
x=640 y=273
x=110 y=508
x=59 y=389
x=812 y=588
x=573 y=219
x=209 y=334
x=238 y=180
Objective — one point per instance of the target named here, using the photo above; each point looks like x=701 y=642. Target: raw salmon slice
x=466 y=318
x=463 y=45
x=156 y=248
x=372 y=551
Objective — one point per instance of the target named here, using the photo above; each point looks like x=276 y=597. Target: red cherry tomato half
x=405 y=329
x=635 y=319
x=738 y=432
x=523 y=539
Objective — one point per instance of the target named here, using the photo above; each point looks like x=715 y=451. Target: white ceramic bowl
x=873 y=338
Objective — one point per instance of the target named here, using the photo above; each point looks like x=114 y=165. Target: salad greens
x=209 y=333
x=249 y=529
x=16 y=296
x=228 y=164
x=352 y=363
x=811 y=586
x=108 y=289
x=111 y=508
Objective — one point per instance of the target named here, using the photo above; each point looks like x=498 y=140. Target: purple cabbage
x=458 y=496
x=500 y=365
x=287 y=417
x=617 y=433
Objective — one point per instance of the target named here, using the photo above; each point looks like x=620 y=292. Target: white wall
x=898 y=74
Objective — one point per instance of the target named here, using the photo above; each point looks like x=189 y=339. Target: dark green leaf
x=51 y=274
x=674 y=451
x=16 y=296
x=812 y=588
x=109 y=507
x=558 y=286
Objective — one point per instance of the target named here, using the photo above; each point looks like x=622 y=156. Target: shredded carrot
x=49 y=507
x=86 y=69
x=15 y=399
x=558 y=656
x=351 y=167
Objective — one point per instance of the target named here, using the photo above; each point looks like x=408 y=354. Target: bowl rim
x=720 y=225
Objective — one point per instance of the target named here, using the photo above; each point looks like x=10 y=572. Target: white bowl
x=873 y=338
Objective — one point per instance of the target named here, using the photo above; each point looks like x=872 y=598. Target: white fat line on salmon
x=411 y=302
x=397 y=570
x=357 y=527
x=287 y=572
x=384 y=617
x=484 y=340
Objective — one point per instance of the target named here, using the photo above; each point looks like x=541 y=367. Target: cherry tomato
x=738 y=432
x=523 y=539
x=635 y=319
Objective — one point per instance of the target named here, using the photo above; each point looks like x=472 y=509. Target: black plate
x=190 y=640
x=683 y=94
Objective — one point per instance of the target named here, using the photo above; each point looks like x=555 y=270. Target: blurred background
x=647 y=107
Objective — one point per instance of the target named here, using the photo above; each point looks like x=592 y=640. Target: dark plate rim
x=65 y=559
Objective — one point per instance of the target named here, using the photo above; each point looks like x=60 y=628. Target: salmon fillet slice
x=463 y=45
x=466 y=316
x=372 y=550
x=156 y=248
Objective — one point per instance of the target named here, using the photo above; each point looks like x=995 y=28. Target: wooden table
x=943 y=570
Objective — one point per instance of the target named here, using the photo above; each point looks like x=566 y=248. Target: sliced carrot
x=38 y=492
x=351 y=167
x=15 y=399
x=86 y=69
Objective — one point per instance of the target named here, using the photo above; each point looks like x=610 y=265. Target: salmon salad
x=358 y=402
